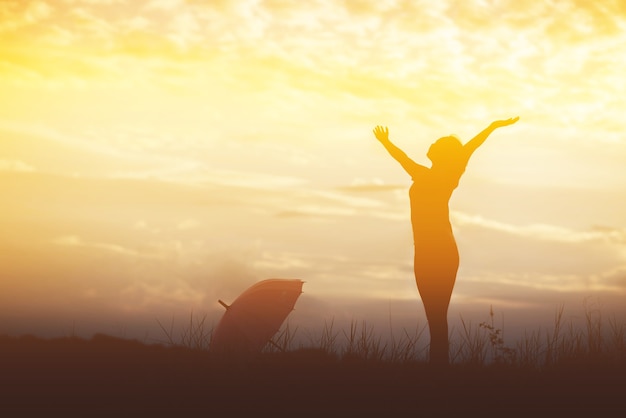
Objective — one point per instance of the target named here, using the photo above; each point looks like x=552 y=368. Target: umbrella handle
x=223 y=303
x=276 y=345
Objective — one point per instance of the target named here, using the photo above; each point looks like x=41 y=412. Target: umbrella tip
x=223 y=303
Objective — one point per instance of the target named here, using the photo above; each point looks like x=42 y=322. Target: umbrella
x=255 y=316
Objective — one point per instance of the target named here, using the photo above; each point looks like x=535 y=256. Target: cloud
x=142 y=296
x=15 y=165
x=92 y=26
x=79 y=153
x=59 y=37
x=251 y=179
x=285 y=262
x=217 y=141
x=543 y=231
x=554 y=282
x=187 y=224
x=444 y=56
x=577 y=20
x=166 y=5
x=93 y=2
x=612 y=280
x=315 y=211
x=136 y=23
x=374 y=186
x=322 y=203
x=15 y=15
x=75 y=241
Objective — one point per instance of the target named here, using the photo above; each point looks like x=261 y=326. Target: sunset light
x=159 y=155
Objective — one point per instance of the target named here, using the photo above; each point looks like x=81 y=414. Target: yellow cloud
x=15 y=165
x=541 y=231
x=15 y=15
x=75 y=241
x=574 y=283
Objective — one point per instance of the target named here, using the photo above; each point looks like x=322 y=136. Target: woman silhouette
x=436 y=258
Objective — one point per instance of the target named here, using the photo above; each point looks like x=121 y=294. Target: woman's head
x=447 y=149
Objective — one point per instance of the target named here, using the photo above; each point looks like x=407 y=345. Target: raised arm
x=410 y=166
x=478 y=140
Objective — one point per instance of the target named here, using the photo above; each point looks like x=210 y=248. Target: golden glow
x=183 y=149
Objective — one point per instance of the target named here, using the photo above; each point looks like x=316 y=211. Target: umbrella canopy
x=255 y=316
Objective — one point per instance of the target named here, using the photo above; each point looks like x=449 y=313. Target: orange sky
x=158 y=155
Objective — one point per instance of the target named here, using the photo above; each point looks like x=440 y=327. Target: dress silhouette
x=436 y=258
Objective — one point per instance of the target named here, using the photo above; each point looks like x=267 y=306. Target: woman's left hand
x=504 y=122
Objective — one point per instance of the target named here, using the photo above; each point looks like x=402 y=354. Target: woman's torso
x=429 y=195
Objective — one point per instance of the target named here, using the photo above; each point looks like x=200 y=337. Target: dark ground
x=107 y=376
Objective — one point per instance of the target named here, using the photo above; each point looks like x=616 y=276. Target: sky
x=159 y=155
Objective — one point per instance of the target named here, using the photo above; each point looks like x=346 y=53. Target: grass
x=195 y=335
x=350 y=372
x=600 y=340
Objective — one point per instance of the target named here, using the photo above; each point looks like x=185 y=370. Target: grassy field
x=348 y=372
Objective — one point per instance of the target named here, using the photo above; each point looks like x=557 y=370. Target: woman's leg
x=435 y=274
x=439 y=344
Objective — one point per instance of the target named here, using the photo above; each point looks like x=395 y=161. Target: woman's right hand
x=381 y=133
